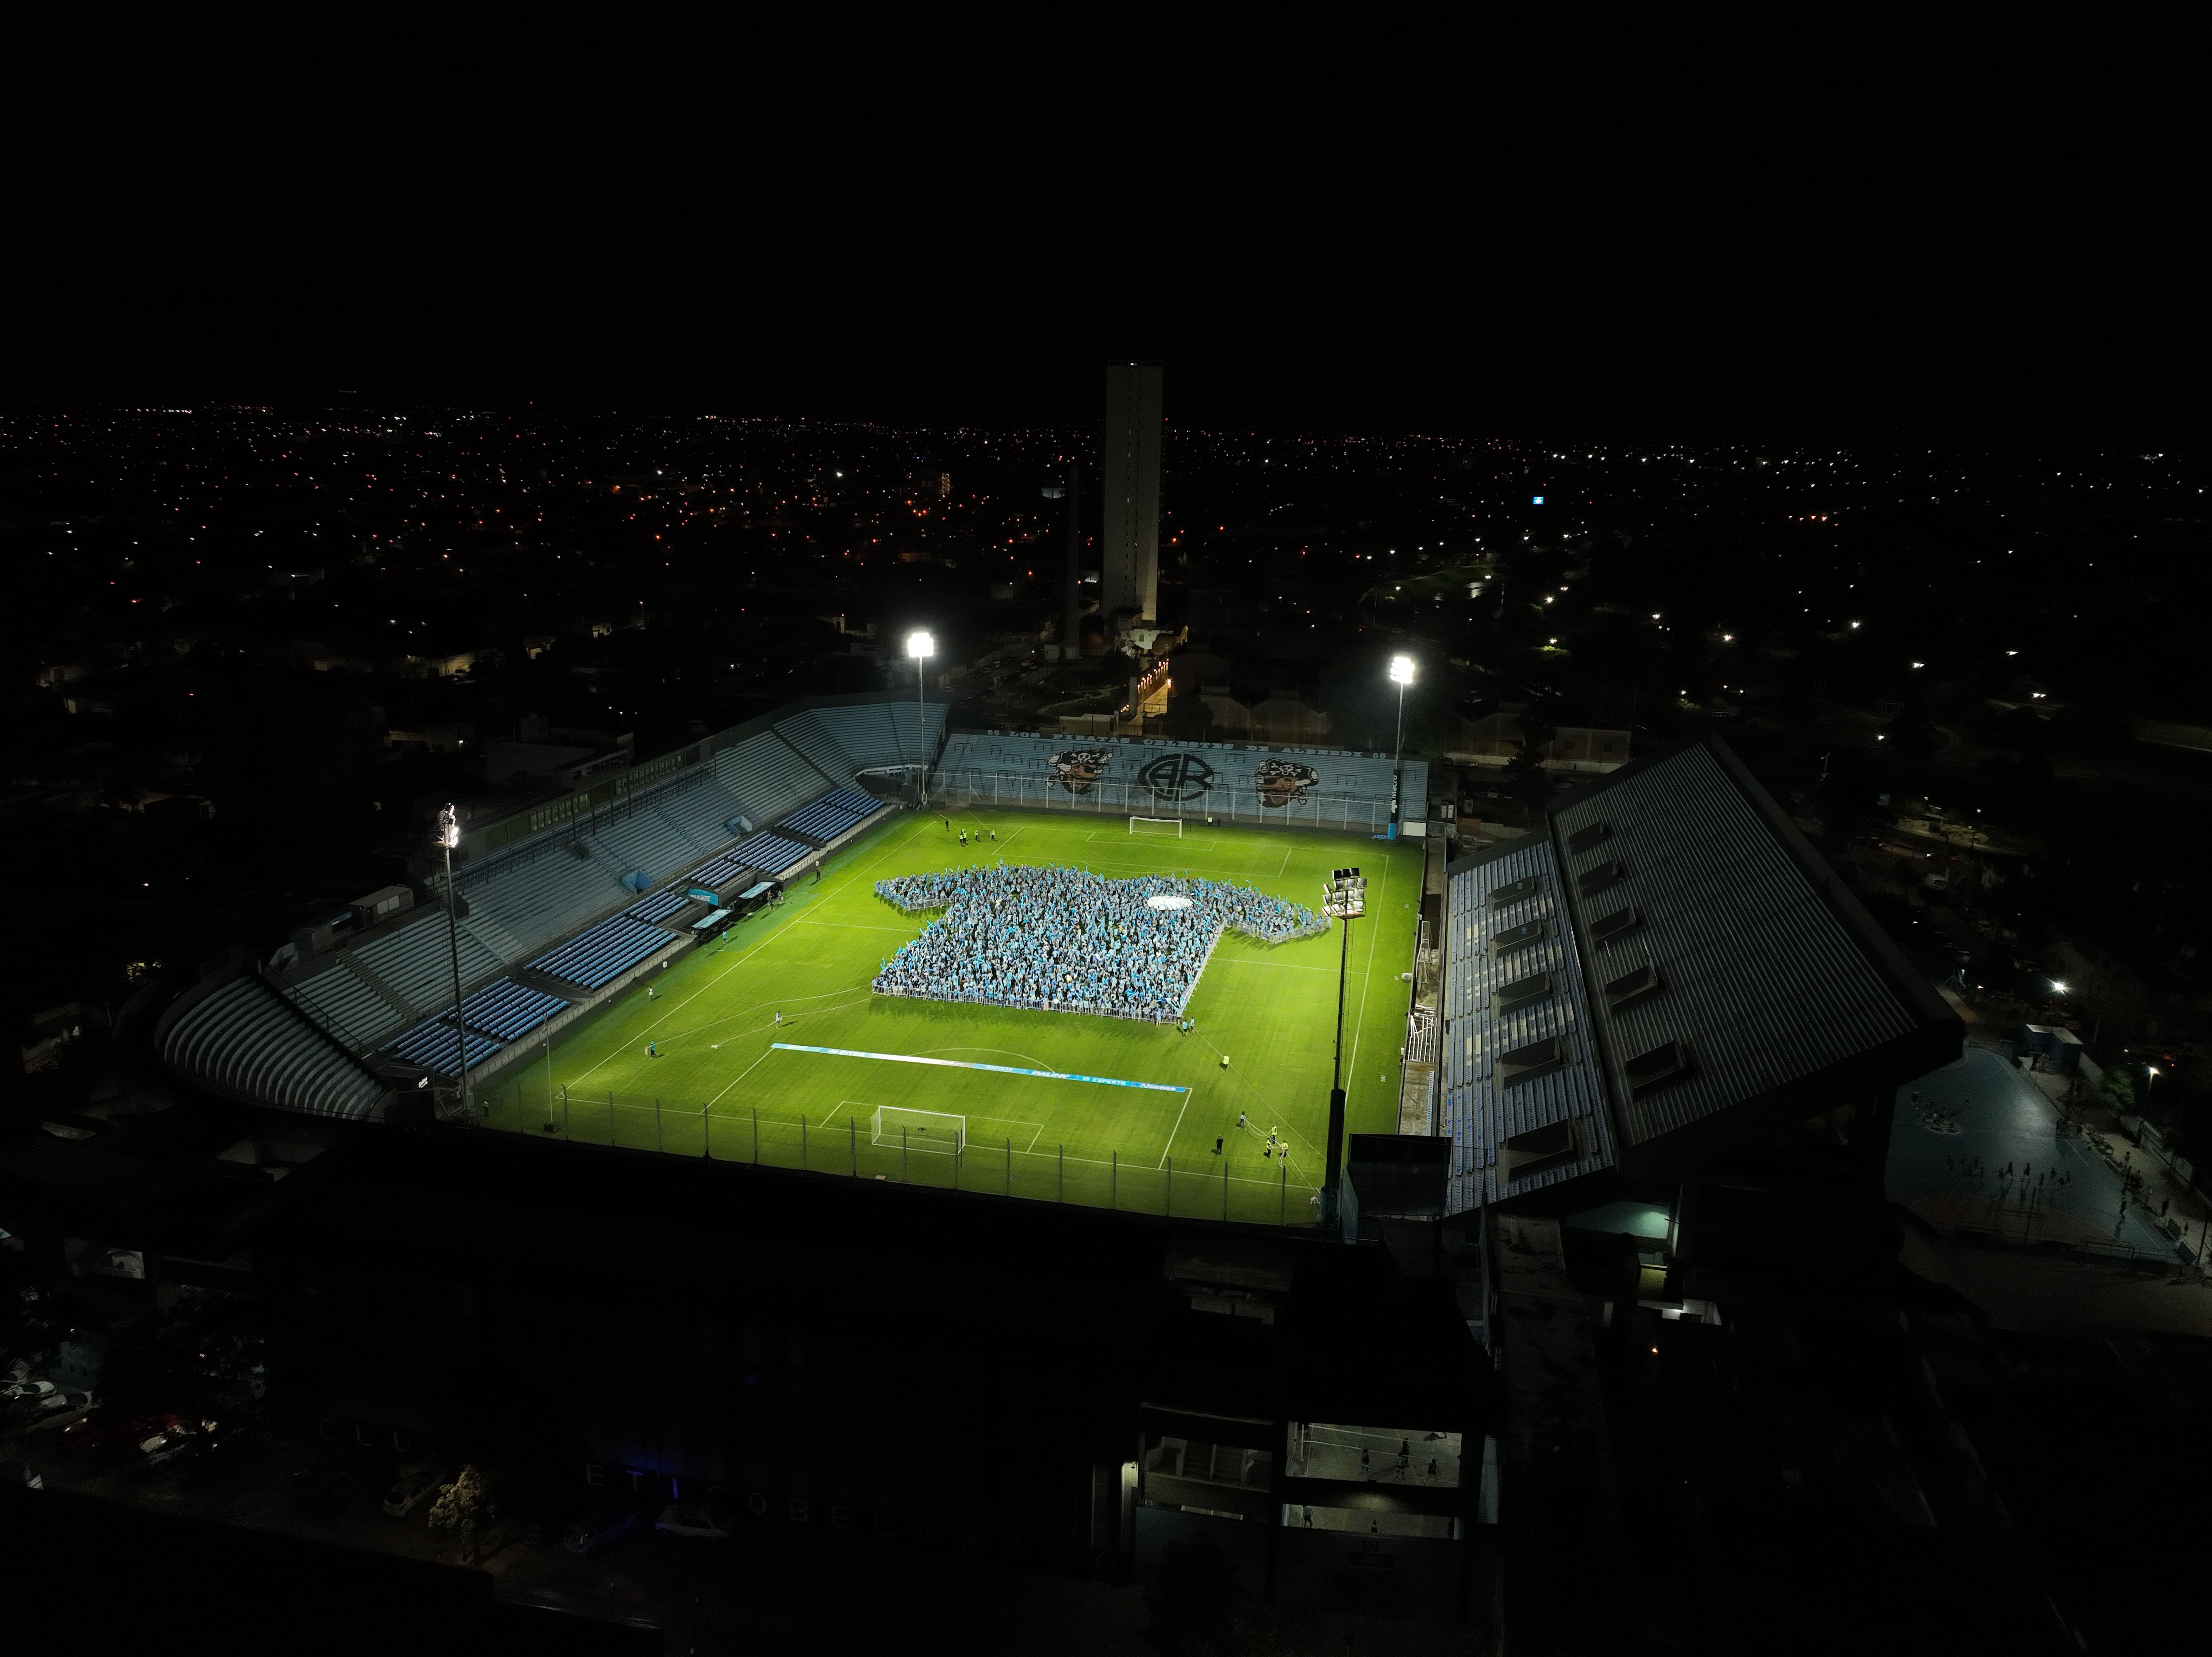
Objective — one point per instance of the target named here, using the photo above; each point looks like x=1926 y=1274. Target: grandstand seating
x=661 y=905
x=430 y=1044
x=823 y=820
x=767 y=777
x=822 y=752
x=416 y=962
x=244 y=1040
x=723 y=871
x=535 y=897
x=348 y=1006
x=892 y=733
x=241 y=1039
x=506 y=1010
x=642 y=838
x=601 y=955
x=771 y=853
x=702 y=808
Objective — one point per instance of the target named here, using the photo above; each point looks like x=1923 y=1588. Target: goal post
x=1161 y=826
x=938 y=1132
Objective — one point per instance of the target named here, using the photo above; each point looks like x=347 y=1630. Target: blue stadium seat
x=603 y=954
x=661 y=905
x=821 y=820
x=417 y=960
x=771 y=853
x=430 y=1044
x=506 y=1010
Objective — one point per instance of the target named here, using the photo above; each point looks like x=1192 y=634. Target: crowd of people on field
x=1068 y=940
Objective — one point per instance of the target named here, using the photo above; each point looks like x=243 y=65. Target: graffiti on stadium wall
x=1228 y=777
x=1078 y=768
x=1281 y=782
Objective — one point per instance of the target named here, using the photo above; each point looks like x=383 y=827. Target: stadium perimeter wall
x=1228 y=782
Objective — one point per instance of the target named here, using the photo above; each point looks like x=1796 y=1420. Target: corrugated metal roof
x=1762 y=979
x=1479 y=1114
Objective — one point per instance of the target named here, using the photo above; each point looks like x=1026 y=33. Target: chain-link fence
x=1310 y=810
x=1234 y=1185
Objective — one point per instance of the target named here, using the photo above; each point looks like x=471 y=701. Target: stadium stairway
x=823 y=754
x=768 y=776
x=351 y=999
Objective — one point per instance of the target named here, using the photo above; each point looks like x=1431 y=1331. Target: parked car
x=694 y=1519
x=179 y=1442
x=107 y=1427
x=416 y=1482
x=598 y=1528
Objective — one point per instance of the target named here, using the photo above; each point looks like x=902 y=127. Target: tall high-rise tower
x=1129 y=576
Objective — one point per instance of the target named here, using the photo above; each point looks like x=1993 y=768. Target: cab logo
x=1177 y=776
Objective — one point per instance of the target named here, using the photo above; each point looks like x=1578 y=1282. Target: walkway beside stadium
x=1958 y=1129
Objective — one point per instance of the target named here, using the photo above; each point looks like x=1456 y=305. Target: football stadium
x=841 y=940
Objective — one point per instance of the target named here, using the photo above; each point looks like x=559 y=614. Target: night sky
x=1830 y=234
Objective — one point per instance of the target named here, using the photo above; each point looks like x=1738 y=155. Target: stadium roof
x=1667 y=968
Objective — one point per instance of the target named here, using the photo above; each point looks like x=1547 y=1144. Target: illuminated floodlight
x=449 y=828
x=1401 y=669
x=2059 y=986
x=1344 y=894
x=919 y=644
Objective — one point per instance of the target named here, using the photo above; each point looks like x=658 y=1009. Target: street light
x=921 y=647
x=1344 y=899
x=449 y=836
x=1401 y=675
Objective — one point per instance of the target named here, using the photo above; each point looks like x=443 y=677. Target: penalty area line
x=960 y=1064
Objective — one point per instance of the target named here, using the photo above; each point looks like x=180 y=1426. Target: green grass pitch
x=719 y=1085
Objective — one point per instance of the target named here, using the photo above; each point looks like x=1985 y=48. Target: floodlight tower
x=1344 y=899
x=449 y=836
x=1401 y=675
x=921 y=647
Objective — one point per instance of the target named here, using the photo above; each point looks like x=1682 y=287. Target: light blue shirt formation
x=1067 y=940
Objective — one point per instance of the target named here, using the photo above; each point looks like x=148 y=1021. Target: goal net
x=937 y=1131
x=1161 y=826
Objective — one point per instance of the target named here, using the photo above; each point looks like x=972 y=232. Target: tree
x=2117 y=1090
x=464 y=1506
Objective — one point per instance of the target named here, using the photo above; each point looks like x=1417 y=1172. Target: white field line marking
x=739 y=1077
x=1367 y=978
x=1172 y=1131
x=965 y=1064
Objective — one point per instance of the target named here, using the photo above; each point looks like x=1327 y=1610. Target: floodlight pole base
x=1335 y=1164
